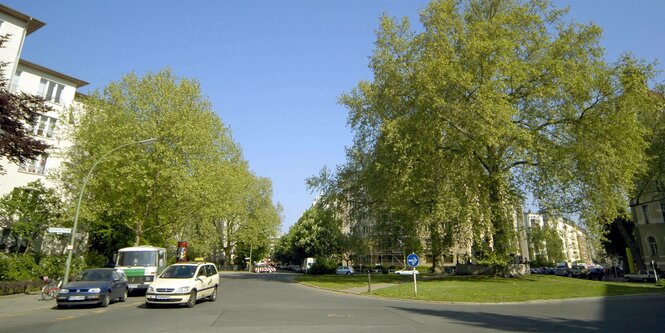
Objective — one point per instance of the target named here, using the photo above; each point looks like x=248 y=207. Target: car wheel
x=348 y=273
x=149 y=305
x=192 y=299
x=124 y=296
x=213 y=297
x=62 y=306
x=106 y=299
x=570 y=275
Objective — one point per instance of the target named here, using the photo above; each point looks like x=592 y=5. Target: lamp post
x=70 y=247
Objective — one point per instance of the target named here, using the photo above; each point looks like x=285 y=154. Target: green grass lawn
x=484 y=289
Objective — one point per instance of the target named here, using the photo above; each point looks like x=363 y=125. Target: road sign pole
x=415 y=284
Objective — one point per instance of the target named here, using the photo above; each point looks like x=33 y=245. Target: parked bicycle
x=50 y=289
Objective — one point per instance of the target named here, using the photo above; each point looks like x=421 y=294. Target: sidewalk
x=362 y=290
x=16 y=305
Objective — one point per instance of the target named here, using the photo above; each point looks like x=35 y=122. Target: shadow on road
x=283 y=277
x=510 y=323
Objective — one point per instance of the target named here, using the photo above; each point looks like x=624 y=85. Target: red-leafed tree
x=18 y=113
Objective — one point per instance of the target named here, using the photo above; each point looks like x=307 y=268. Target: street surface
x=274 y=303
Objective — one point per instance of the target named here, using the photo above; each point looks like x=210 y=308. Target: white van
x=307 y=264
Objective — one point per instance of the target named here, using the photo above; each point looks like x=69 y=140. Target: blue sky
x=272 y=69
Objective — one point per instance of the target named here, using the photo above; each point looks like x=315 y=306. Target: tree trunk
x=637 y=256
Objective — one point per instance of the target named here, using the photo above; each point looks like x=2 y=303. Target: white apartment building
x=575 y=248
x=24 y=76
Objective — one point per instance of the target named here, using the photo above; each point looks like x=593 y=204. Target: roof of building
x=78 y=83
x=32 y=23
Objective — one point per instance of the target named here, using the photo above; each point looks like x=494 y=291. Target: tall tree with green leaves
x=490 y=99
x=184 y=186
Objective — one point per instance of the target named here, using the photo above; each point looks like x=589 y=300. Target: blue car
x=97 y=286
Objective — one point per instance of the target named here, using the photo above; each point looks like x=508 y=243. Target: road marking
x=65 y=318
x=334 y=315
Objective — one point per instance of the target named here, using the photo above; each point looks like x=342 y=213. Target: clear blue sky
x=272 y=69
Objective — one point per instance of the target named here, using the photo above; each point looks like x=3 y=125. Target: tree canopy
x=488 y=101
x=191 y=184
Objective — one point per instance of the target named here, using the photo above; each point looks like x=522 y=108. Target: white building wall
x=27 y=80
x=11 y=50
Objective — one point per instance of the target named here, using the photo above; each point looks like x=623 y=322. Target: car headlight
x=148 y=279
x=94 y=290
x=151 y=289
x=183 y=289
x=63 y=291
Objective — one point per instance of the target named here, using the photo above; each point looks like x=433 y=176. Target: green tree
x=318 y=232
x=490 y=99
x=28 y=212
x=185 y=186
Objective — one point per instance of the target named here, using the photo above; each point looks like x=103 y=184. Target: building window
x=45 y=126
x=645 y=212
x=653 y=249
x=50 y=90
x=15 y=80
x=37 y=165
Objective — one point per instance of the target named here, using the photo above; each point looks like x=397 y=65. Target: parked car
x=407 y=271
x=641 y=276
x=184 y=283
x=344 y=270
x=562 y=269
x=94 y=286
x=596 y=272
x=578 y=271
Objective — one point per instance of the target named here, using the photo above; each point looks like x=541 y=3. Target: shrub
x=54 y=267
x=17 y=267
x=323 y=266
x=19 y=287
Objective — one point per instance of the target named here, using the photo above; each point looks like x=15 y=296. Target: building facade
x=575 y=246
x=59 y=91
x=649 y=217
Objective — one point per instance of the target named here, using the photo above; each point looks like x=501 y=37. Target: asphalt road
x=274 y=303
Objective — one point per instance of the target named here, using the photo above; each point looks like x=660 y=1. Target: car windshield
x=137 y=258
x=95 y=275
x=179 y=272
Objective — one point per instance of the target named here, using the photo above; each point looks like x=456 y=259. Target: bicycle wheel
x=47 y=292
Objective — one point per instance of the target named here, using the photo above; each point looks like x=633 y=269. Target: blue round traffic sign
x=412 y=260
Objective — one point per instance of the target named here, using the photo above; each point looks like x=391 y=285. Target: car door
x=202 y=282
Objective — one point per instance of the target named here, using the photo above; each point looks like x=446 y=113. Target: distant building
x=574 y=238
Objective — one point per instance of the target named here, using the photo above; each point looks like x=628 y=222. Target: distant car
x=94 y=286
x=344 y=270
x=184 y=283
x=407 y=271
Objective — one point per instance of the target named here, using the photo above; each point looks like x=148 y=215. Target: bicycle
x=50 y=289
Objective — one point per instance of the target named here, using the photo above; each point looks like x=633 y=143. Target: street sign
x=413 y=260
x=60 y=230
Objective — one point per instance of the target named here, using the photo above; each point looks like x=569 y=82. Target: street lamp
x=70 y=247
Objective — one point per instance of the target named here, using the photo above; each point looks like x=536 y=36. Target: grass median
x=483 y=289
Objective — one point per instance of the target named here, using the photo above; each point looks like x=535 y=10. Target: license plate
x=76 y=298
x=161 y=297
x=133 y=285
